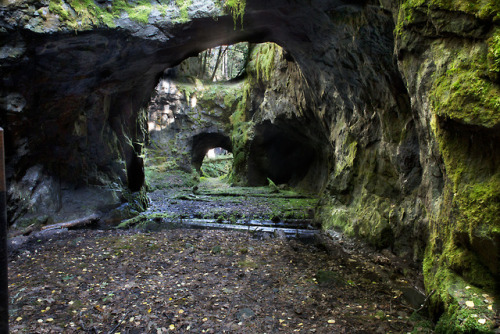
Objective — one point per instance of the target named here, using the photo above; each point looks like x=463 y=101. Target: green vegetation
x=494 y=55
x=183 y=7
x=462 y=90
x=465 y=90
x=237 y=10
x=263 y=58
x=84 y=14
x=219 y=166
x=468 y=221
x=482 y=9
x=240 y=135
x=467 y=308
x=346 y=161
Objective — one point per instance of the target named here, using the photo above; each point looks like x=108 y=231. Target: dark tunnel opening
x=282 y=153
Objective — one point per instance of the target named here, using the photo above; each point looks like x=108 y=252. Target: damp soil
x=192 y=281
x=209 y=281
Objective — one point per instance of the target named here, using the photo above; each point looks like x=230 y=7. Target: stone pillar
x=4 y=286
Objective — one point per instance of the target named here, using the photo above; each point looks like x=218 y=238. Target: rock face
x=185 y=120
x=390 y=110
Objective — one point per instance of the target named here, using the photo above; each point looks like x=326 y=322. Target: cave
x=281 y=153
x=203 y=142
x=387 y=111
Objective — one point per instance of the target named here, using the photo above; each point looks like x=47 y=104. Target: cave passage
x=204 y=142
x=281 y=153
x=217 y=163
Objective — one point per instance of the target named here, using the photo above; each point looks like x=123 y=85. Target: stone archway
x=203 y=142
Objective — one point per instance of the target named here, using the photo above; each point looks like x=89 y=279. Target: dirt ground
x=204 y=281
x=172 y=279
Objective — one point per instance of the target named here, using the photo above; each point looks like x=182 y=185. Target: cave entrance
x=207 y=148
x=283 y=153
x=217 y=163
x=189 y=114
x=198 y=107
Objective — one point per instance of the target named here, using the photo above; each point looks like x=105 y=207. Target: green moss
x=482 y=9
x=140 y=12
x=453 y=296
x=465 y=90
x=347 y=160
x=462 y=90
x=237 y=10
x=337 y=217
x=469 y=215
x=373 y=220
x=480 y=203
x=56 y=7
x=494 y=55
x=240 y=135
x=84 y=14
x=263 y=59
x=144 y=218
x=183 y=8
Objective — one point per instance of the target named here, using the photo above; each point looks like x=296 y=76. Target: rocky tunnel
x=203 y=142
x=283 y=153
x=406 y=145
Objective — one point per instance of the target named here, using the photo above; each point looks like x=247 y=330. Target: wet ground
x=175 y=279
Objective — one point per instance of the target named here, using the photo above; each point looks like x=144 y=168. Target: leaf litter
x=203 y=281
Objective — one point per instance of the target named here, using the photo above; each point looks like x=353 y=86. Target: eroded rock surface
x=398 y=103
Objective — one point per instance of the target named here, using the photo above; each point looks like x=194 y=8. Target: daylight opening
x=217 y=163
x=218 y=64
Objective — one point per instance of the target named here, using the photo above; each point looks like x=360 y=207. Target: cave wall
x=275 y=133
x=448 y=54
x=413 y=154
x=186 y=117
x=401 y=99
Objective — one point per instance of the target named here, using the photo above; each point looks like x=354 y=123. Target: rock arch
x=205 y=141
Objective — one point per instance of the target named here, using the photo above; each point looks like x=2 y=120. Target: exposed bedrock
x=392 y=110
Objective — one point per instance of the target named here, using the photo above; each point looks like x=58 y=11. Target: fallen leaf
x=469 y=303
x=481 y=321
x=331 y=321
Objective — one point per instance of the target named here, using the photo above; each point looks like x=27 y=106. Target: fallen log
x=25 y=231
x=74 y=223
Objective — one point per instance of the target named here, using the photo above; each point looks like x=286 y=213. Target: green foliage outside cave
x=218 y=64
x=218 y=166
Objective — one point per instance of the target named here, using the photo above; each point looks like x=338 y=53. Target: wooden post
x=4 y=285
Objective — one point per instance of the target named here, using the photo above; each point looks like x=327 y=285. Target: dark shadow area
x=284 y=154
